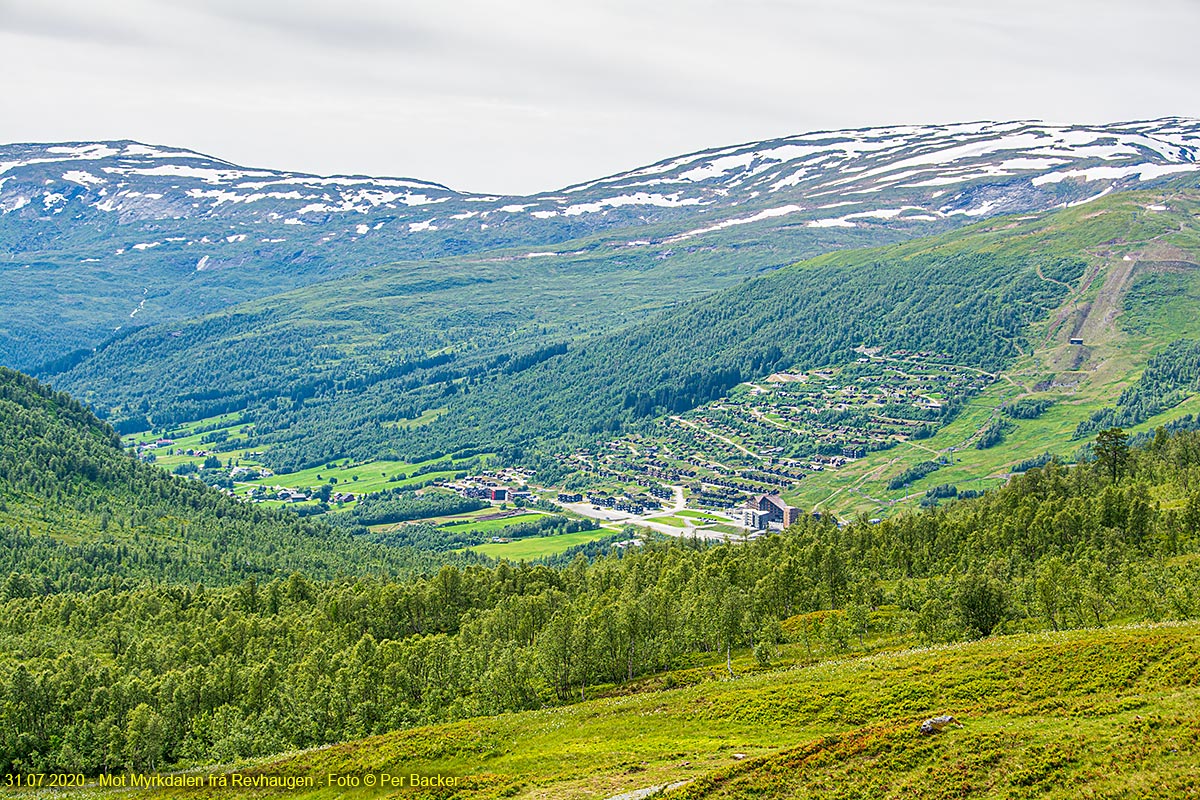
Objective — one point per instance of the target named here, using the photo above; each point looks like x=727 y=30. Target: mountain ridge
x=98 y=236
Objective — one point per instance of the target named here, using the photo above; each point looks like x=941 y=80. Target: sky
x=520 y=96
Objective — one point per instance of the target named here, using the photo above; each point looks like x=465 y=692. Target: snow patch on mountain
x=1143 y=172
x=767 y=214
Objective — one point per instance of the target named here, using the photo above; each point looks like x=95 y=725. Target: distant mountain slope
x=100 y=236
x=76 y=512
x=974 y=306
x=969 y=294
x=978 y=295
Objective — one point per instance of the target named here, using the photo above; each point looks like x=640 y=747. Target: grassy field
x=538 y=546
x=372 y=476
x=425 y=418
x=689 y=520
x=493 y=525
x=361 y=477
x=676 y=521
x=725 y=528
x=1097 y=713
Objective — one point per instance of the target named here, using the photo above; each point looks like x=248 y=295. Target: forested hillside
x=159 y=675
x=973 y=307
x=1169 y=378
x=528 y=356
x=77 y=513
x=410 y=326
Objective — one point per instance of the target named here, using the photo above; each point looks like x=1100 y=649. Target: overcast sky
x=518 y=96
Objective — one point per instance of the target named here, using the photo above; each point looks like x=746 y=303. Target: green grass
x=732 y=530
x=1098 y=713
x=359 y=477
x=539 y=546
x=464 y=517
x=675 y=521
x=493 y=525
x=424 y=419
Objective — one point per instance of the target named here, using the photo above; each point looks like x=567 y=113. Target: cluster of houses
x=144 y=447
x=287 y=495
x=491 y=486
x=627 y=503
x=499 y=494
x=249 y=473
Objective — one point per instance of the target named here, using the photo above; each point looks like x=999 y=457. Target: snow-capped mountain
x=142 y=218
x=832 y=178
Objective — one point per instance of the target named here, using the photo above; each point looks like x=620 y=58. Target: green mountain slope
x=412 y=325
x=985 y=297
x=76 y=512
x=515 y=354
x=1134 y=311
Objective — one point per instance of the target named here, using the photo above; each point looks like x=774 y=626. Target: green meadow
x=347 y=475
x=1092 y=713
x=535 y=547
x=491 y=525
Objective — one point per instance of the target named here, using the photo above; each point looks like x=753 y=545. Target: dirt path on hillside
x=1052 y=280
x=1104 y=309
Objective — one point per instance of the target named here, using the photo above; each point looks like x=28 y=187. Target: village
x=767 y=436
x=723 y=471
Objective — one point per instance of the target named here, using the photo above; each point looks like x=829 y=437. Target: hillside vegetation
x=560 y=368
x=975 y=307
x=1098 y=713
x=413 y=324
x=78 y=513
x=162 y=675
